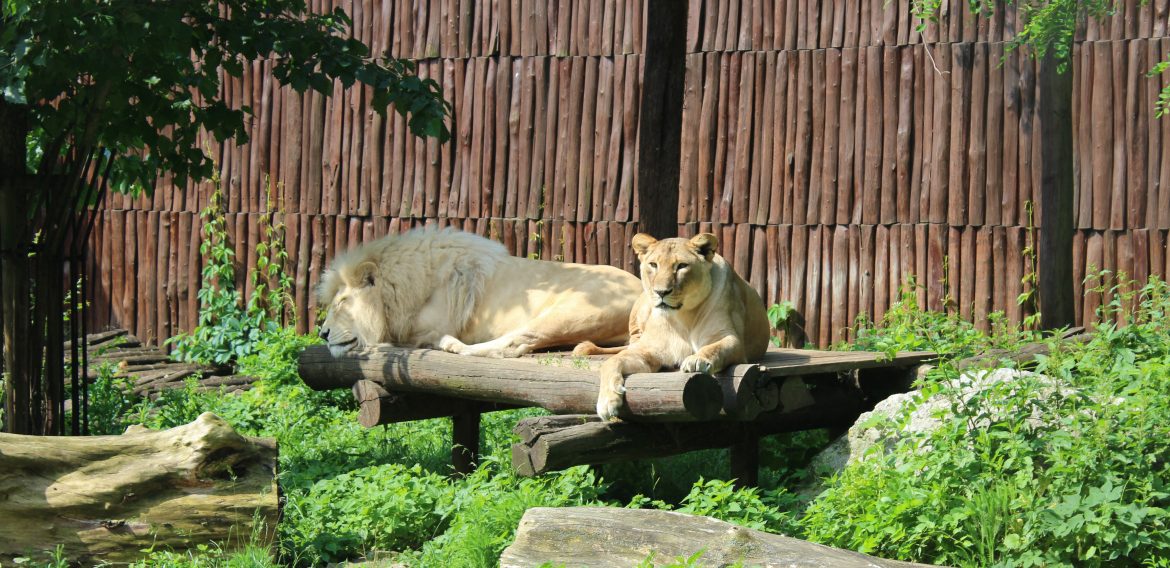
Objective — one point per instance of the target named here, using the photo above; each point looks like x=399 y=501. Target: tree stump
x=105 y=498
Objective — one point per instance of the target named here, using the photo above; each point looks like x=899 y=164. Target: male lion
x=695 y=313
x=463 y=293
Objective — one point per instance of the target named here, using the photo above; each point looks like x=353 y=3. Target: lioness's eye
x=681 y=266
x=654 y=265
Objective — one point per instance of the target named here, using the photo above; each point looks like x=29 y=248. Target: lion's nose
x=324 y=333
x=663 y=292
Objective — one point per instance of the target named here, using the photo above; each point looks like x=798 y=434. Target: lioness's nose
x=324 y=333
x=662 y=292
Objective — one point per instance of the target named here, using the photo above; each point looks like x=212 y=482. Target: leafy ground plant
x=1066 y=471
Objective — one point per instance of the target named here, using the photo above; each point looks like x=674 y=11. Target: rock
x=906 y=414
x=605 y=537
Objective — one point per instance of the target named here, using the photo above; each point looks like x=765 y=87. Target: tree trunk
x=603 y=537
x=105 y=498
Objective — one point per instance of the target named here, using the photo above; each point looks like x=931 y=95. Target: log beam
x=105 y=498
x=550 y=443
x=663 y=397
x=378 y=406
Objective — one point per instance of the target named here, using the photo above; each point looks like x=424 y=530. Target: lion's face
x=677 y=272
x=353 y=319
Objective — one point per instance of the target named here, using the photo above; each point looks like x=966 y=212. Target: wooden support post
x=1054 y=113
x=465 y=442
x=745 y=461
x=660 y=117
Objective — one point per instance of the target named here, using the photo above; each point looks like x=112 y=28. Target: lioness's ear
x=364 y=274
x=642 y=242
x=705 y=244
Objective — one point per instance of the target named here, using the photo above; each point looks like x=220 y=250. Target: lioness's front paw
x=451 y=345
x=608 y=405
x=696 y=364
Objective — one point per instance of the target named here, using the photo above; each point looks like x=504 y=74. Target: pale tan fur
x=695 y=313
x=463 y=293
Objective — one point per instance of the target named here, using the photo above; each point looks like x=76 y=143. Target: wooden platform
x=668 y=413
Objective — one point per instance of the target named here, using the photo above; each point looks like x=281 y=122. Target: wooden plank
x=690 y=144
x=1120 y=163
x=1164 y=177
x=814 y=312
x=660 y=117
x=817 y=101
x=840 y=284
x=1137 y=135
x=832 y=131
x=961 y=63
x=1102 y=136
x=587 y=130
x=984 y=273
x=571 y=149
x=804 y=136
x=601 y=138
x=872 y=180
x=849 y=79
x=738 y=197
x=875 y=275
x=1154 y=143
x=941 y=124
x=888 y=212
x=977 y=139
x=614 y=163
x=1011 y=132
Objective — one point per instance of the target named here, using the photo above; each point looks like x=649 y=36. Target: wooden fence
x=834 y=148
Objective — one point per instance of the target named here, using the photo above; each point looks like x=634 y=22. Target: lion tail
x=587 y=348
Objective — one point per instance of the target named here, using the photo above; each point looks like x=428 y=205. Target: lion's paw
x=451 y=345
x=608 y=406
x=696 y=364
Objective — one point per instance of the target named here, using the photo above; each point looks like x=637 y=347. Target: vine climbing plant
x=231 y=328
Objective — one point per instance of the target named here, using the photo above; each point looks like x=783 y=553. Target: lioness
x=695 y=313
x=465 y=294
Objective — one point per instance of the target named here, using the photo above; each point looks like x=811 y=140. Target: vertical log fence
x=834 y=148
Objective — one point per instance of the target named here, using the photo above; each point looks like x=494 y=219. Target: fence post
x=660 y=117
x=1055 y=219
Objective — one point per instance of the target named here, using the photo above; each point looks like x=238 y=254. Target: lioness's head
x=354 y=318
x=676 y=271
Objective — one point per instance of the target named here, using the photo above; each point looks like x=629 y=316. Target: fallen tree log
x=649 y=396
x=105 y=498
x=602 y=537
x=550 y=443
x=377 y=406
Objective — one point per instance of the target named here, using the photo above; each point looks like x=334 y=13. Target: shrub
x=385 y=507
x=1025 y=473
x=746 y=506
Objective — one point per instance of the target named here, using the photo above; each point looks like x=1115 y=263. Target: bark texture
x=105 y=498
